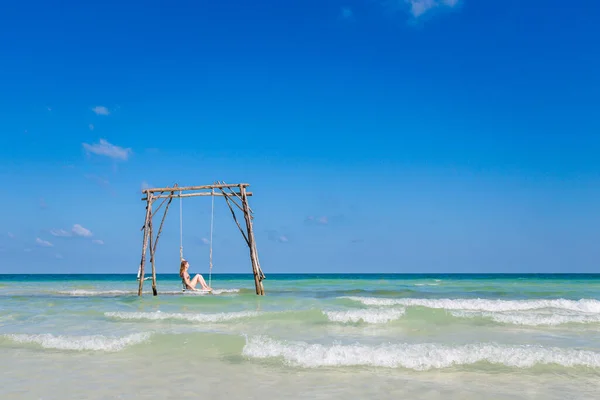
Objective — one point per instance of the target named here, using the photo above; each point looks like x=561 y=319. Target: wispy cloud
x=101 y=110
x=204 y=241
x=60 y=233
x=59 y=256
x=346 y=13
x=27 y=250
x=43 y=204
x=420 y=7
x=98 y=179
x=146 y=185
x=79 y=230
x=10 y=235
x=277 y=236
x=91 y=126
x=43 y=243
x=104 y=148
x=98 y=241
x=312 y=220
x=283 y=239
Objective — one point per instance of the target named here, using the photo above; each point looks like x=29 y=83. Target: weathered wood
x=154 y=292
x=154 y=212
x=163 y=196
x=238 y=196
x=186 y=188
x=236 y=221
x=251 y=244
x=145 y=244
x=230 y=198
x=161 y=223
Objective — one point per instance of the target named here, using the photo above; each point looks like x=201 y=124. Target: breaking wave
x=419 y=357
x=80 y=343
x=583 y=305
x=530 y=319
x=369 y=316
x=159 y=316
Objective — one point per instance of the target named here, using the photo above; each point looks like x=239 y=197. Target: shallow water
x=311 y=336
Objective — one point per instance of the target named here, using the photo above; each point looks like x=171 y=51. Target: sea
x=312 y=336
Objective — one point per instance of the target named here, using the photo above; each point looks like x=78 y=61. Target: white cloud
x=98 y=241
x=43 y=243
x=145 y=185
x=60 y=233
x=91 y=126
x=205 y=241
x=79 y=230
x=420 y=7
x=11 y=235
x=104 y=148
x=323 y=220
x=59 y=256
x=101 y=110
x=283 y=239
x=27 y=250
x=346 y=12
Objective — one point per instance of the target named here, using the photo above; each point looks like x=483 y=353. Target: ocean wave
x=419 y=357
x=369 y=316
x=583 y=305
x=89 y=293
x=80 y=343
x=92 y=293
x=221 y=291
x=530 y=319
x=160 y=316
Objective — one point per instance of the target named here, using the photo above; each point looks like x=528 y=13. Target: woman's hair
x=182 y=267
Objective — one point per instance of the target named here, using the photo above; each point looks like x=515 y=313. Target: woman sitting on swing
x=185 y=278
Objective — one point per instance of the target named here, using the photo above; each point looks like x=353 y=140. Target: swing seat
x=196 y=292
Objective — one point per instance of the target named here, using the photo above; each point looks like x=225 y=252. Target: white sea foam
x=221 y=291
x=92 y=293
x=583 y=305
x=80 y=343
x=89 y=293
x=369 y=316
x=159 y=316
x=530 y=318
x=418 y=357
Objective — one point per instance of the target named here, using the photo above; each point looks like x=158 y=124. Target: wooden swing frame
x=219 y=189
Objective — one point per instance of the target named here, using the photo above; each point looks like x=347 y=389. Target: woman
x=185 y=278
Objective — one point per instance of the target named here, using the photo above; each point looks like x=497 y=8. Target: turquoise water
x=311 y=336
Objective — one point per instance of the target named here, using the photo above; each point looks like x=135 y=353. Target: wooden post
x=153 y=246
x=145 y=243
x=154 y=291
x=251 y=244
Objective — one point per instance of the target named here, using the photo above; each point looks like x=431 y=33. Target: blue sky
x=377 y=135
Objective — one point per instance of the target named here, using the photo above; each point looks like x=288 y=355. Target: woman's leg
x=199 y=279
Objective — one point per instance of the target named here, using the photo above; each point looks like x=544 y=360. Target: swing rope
x=180 y=227
x=212 y=217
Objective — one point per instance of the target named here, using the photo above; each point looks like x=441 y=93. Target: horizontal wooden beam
x=187 y=188
x=174 y=196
